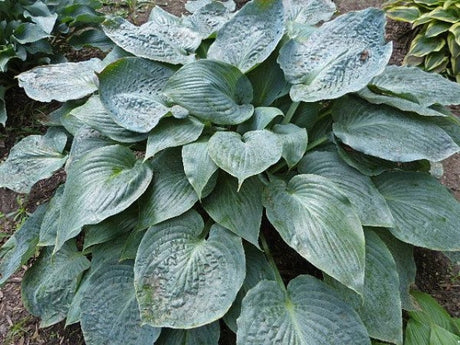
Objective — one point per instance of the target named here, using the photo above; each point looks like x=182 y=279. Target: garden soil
x=435 y=273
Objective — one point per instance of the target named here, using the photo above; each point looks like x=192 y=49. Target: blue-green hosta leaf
x=402 y=103
x=50 y=223
x=101 y=184
x=403 y=254
x=40 y=14
x=49 y=286
x=369 y=204
x=208 y=19
x=294 y=141
x=212 y=91
x=307 y=313
x=380 y=306
x=262 y=117
x=198 y=165
x=95 y=115
x=194 y=5
x=3 y=114
x=257 y=269
x=131 y=246
x=61 y=82
x=169 y=195
x=226 y=204
x=184 y=280
x=246 y=48
x=389 y=133
x=247 y=155
x=205 y=335
x=340 y=57
x=315 y=218
x=34 y=158
x=425 y=213
x=163 y=38
x=309 y=12
x=21 y=246
x=110 y=313
x=131 y=90
x=171 y=132
x=417 y=85
x=29 y=33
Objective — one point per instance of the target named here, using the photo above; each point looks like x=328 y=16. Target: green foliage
x=178 y=157
x=436 y=47
x=37 y=32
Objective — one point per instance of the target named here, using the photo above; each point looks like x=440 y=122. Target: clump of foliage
x=195 y=132
x=32 y=31
x=436 y=47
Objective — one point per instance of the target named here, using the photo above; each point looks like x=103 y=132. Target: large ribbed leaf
x=48 y=287
x=340 y=57
x=163 y=38
x=131 y=90
x=50 y=224
x=368 y=202
x=307 y=313
x=21 y=246
x=209 y=18
x=425 y=213
x=101 y=184
x=169 y=195
x=61 y=82
x=315 y=218
x=308 y=12
x=246 y=48
x=294 y=140
x=262 y=117
x=198 y=165
x=417 y=333
x=380 y=305
x=194 y=5
x=172 y=132
x=403 y=254
x=184 y=280
x=34 y=158
x=212 y=91
x=226 y=204
x=95 y=115
x=110 y=313
x=441 y=336
x=205 y=335
x=417 y=85
x=247 y=155
x=389 y=133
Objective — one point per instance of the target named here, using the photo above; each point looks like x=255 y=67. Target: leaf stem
x=290 y=113
x=317 y=142
x=271 y=261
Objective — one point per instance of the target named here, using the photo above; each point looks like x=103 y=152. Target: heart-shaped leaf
x=131 y=90
x=103 y=183
x=315 y=218
x=309 y=12
x=205 y=335
x=226 y=204
x=247 y=155
x=208 y=19
x=34 y=158
x=163 y=38
x=245 y=49
x=61 y=82
x=425 y=213
x=340 y=57
x=369 y=204
x=294 y=139
x=194 y=5
x=50 y=224
x=178 y=295
x=110 y=313
x=262 y=117
x=172 y=132
x=212 y=91
x=307 y=313
x=389 y=133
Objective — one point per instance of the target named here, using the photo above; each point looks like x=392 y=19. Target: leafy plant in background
x=35 y=32
x=436 y=47
x=178 y=143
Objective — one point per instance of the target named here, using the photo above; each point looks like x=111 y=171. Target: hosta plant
x=189 y=147
x=436 y=46
x=35 y=32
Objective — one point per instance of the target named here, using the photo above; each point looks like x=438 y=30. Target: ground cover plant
x=38 y=32
x=436 y=46
x=188 y=137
